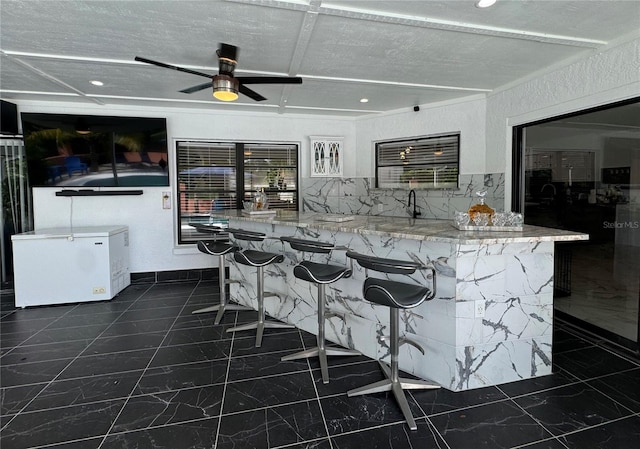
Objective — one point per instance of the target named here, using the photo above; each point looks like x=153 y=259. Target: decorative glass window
x=326 y=156
x=430 y=162
x=220 y=175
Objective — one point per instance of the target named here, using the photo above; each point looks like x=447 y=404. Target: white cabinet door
x=326 y=156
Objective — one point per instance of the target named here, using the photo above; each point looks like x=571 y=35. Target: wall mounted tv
x=8 y=118
x=95 y=151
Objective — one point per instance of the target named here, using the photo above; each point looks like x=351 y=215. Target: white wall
x=152 y=234
x=600 y=78
x=464 y=116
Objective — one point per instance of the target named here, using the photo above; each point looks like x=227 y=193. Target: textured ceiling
x=395 y=53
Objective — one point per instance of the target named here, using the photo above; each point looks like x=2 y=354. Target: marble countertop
x=408 y=228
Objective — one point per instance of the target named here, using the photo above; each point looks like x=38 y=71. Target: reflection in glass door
x=588 y=180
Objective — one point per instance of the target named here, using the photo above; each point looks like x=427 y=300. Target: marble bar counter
x=490 y=322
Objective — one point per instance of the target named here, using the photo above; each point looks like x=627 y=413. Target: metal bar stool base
x=322 y=354
x=397 y=387
x=260 y=326
x=220 y=308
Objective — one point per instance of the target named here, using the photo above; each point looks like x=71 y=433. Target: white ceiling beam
x=304 y=37
x=252 y=72
x=48 y=77
x=427 y=22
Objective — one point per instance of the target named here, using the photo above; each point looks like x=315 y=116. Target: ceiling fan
x=225 y=85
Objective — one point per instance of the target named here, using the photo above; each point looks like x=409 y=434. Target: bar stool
x=320 y=274
x=395 y=295
x=220 y=249
x=259 y=260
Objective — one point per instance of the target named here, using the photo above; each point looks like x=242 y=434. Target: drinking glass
x=481 y=219
x=461 y=218
x=500 y=218
x=516 y=219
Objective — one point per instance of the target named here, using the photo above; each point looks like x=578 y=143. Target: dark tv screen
x=8 y=118
x=95 y=151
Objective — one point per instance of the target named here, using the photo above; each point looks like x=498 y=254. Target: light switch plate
x=166 y=200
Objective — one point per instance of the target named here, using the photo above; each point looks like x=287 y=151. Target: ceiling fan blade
x=199 y=87
x=250 y=93
x=269 y=79
x=172 y=67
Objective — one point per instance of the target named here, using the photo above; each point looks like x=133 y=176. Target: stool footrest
x=231 y=281
x=411 y=342
x=330 y=314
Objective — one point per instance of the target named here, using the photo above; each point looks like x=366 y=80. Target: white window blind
x=220 y=175
x=430 y=162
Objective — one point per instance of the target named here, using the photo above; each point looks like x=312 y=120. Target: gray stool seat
x=320 y=274
x=395 y=295
x=259 y=260
x=219 y=249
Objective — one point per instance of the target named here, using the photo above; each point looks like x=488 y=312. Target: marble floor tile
x=622 y=387
x=119 y=343
x=193 y=435
x=175 y=377
x=249 y=427
x=60 y=424
x=159 y=409
x=268 y=392
x=30 y=373
x=571 y=408
x=194 y=352
x=295 y=423
x=493 y=426
x=141 y=371
x=112 y=362
x=392 y=437
x=591 y=362
x=43 y=352
x=83 y=390
x=13 y=399
x=620 y=434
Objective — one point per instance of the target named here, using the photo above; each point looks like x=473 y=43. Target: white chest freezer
x=63 y=265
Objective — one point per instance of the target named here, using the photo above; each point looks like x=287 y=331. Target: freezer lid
x=76 y=232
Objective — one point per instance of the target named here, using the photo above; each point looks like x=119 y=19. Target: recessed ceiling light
x=364 y=100
x=97 y=83
x=485 y=3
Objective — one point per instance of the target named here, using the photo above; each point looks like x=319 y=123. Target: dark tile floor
x=141 y=371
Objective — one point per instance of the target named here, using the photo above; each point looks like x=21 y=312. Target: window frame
x=231 y=198
x=430 y=142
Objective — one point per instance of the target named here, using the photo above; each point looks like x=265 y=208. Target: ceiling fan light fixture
x=225 y=88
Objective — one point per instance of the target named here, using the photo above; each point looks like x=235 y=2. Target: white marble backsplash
x=358 y=196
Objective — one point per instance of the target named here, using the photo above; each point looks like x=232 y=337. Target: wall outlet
x=380 y=207
x=99 y=290
x=166 y=200
x=480 y=308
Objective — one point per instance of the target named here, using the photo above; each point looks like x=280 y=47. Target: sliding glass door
x=582 y=173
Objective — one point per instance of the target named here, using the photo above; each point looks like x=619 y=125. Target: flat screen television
x=95 y=151
x=8 y=118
